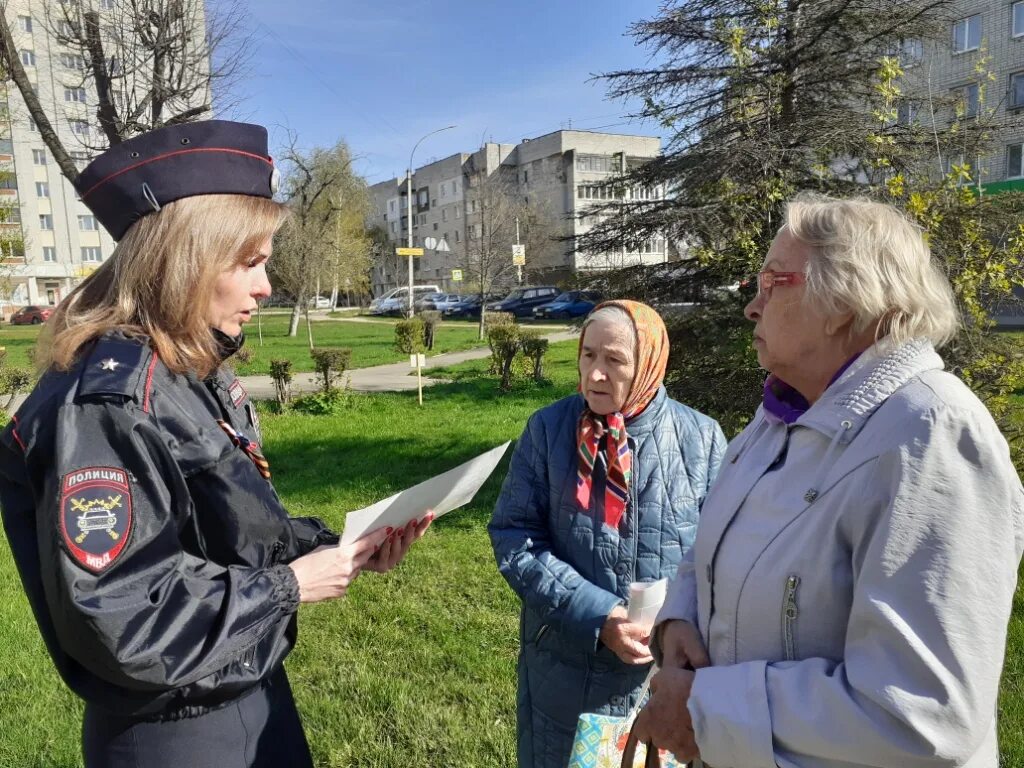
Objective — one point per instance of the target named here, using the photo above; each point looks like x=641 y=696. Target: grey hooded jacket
x=853 y=575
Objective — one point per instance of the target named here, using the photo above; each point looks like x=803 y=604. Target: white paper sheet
x=442 y=493
x=645 y=600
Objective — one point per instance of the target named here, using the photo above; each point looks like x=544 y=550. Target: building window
x=391 y=206
x=458 y=212
x=75 y=94
x=28 y=58
x=42 y=189
x=911 y=52
x=1018 y=19
x=457 y=238
x=79 y=127
x=65 y=30
x=92 y=253
x=967 y=34
x=45 y=221
x=39 y=156
x=49 y=253
x=81 y=158
x=1017 y=90
x=32 y=126
x=72 y=61
x=106 y=5
x=1015 y=161
x=967 y=100
x=394 y=227
x=88 y=223
x=598 y=163
x=25 y=23
x=444 y=214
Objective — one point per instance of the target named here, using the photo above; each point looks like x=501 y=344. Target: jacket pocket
x=790 y=613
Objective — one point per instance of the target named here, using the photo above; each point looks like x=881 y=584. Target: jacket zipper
x=790 y=612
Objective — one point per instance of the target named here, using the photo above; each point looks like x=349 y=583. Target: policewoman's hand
x=397 y=544
x=326 y=572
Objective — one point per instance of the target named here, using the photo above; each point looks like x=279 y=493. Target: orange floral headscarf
x=651 y=361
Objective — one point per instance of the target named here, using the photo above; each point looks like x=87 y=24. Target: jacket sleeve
x=308 y=533
x=522 y=544
x=715 y=452
x=934 y=565
x=680 y=601
x=154 y=617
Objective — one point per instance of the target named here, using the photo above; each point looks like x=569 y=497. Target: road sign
x=519 y=255
x=456 y=275
x=408 y=251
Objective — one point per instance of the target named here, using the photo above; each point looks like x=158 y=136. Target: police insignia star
x=95 y=515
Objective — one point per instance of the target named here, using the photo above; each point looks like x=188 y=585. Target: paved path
x=379 y=378
x=394 y=377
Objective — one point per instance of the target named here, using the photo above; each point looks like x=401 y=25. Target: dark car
x=521 y=301
x=31 y=315
x=568 y=305
x=468 y=306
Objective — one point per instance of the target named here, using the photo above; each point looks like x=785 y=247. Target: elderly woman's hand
x=665 y=720
x=682 y=646
x=627 y=640
x=397 y=544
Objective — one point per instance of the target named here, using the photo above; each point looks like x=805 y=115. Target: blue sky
x=382 y=74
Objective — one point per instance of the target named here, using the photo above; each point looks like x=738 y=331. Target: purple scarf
x=786 y=404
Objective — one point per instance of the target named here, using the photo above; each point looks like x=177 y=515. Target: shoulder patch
x=115 y=366
x=95 y=515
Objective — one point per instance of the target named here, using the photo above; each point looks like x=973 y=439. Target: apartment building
x=558 y=174
x=61 y=241
x=981 y=66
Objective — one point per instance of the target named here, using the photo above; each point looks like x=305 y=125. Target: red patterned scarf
x=651 y=361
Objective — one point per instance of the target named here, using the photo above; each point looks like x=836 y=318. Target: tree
x=324 y=236
x=493 y=208
x=151 y=63
x=767 y=99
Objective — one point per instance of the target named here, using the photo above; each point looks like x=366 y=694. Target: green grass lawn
x=414 y=668
x=18 y=340
x=372 y=343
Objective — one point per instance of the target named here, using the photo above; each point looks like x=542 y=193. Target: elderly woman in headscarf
x=846 y=600
x=604 y=490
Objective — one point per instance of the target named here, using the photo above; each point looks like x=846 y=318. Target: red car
x=31 y=315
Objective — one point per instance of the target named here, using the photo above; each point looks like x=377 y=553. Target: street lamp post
x=408 y=207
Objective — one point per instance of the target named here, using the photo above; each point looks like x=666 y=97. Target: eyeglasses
x=769 y=279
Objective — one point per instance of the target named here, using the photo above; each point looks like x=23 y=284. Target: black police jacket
x=150 y=541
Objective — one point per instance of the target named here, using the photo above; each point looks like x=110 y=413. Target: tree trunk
x=259 y=321
x=309 y=328
x=293 y=324
x=12 y=60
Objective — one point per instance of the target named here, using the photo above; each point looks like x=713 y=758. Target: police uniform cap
x=212 y=157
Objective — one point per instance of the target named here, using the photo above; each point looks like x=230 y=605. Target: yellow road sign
x=457 y=275
x=409 y=251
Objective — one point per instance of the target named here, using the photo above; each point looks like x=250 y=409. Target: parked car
x=319 y=302
x=468 y=306
x=438 y=302
x=521 y=301
x=568 y=305
x=31 y=315
x=396 y=301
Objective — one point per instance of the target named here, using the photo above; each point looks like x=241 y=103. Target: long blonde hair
x=159 y=280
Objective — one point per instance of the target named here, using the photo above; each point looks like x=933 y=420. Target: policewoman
x=160 y=564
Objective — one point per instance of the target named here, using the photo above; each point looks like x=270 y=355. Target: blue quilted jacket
x=570 y=569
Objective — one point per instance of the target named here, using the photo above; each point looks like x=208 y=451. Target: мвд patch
x=95 y=515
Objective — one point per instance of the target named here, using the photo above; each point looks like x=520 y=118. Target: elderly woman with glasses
x=847 y=597
x=604 y=490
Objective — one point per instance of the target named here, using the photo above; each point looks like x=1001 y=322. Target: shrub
x=534 y=348
x=331 y=365
x=409 y=335
x=323 y=403
x=242 y=356
x=14 y=381
x=281 y=373
x=505 y=342
x=431 y=319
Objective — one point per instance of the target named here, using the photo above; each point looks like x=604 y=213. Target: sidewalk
x=394 y=377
